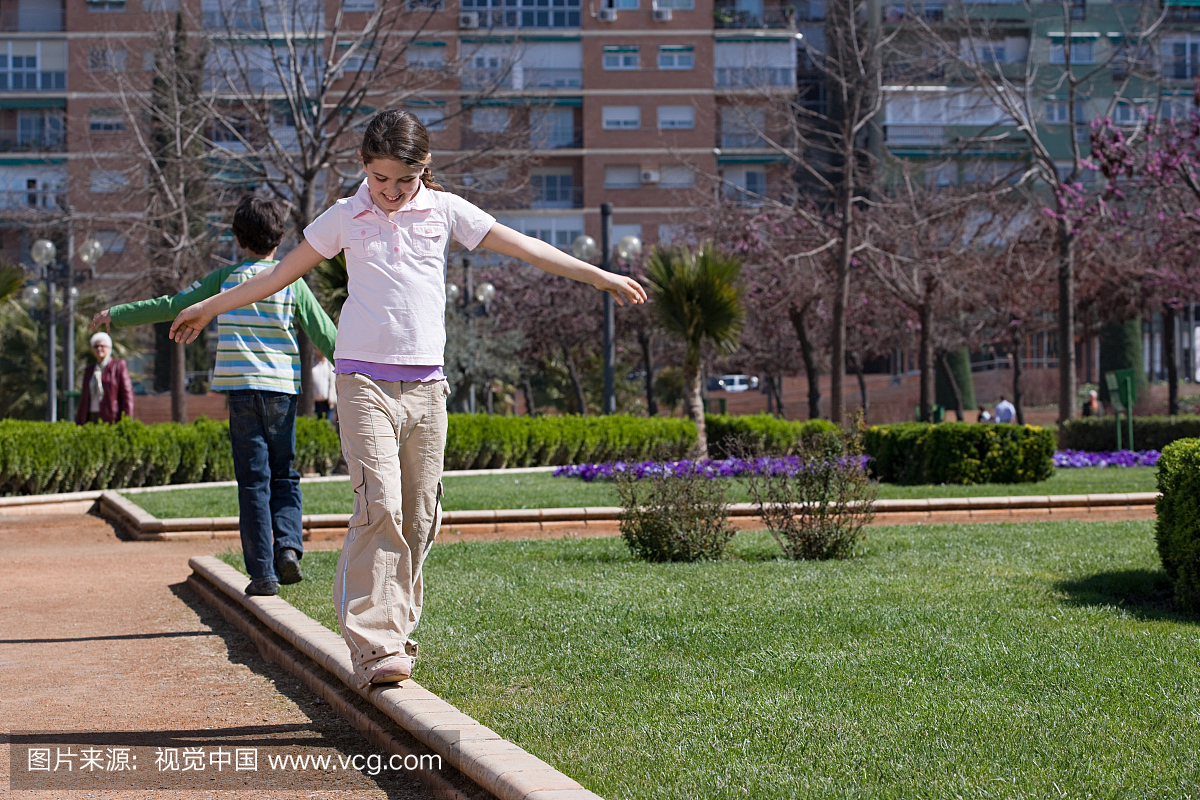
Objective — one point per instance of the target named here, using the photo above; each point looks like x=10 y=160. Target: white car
x=737 y=383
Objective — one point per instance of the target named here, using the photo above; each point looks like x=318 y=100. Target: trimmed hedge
x=40 y=457
x=43 y=457
x=1177 y=528
x=959 y=452
x=1098 y=434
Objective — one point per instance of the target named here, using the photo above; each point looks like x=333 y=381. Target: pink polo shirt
x=395 y=312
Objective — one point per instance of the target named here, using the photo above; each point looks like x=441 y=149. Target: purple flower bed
x=1068 y=459
x=726 y=468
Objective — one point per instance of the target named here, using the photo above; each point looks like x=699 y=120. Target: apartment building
x=651 y=105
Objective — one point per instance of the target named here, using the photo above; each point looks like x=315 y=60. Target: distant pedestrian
x=324 y=387
x=984 y=414
x=1091 y=408
x=107 y=393
x=1006 y=412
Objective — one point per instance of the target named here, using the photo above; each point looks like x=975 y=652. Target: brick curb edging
x=478 y=752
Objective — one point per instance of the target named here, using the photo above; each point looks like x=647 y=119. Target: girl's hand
x=103 y=318
x=622 y=287
x=189 y=323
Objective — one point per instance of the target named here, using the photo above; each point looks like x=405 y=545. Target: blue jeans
x=262 y=429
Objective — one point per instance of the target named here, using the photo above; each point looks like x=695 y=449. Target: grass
x=977 y=661
x=542 y=490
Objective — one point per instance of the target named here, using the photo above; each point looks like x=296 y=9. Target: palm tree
x=696 y=297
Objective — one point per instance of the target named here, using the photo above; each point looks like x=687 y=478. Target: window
x=685 y=5
x=434 y=119
x=149 y=60
x=669 y=235
x=489 y=120
x=745 y=184
x=676 y=176
x=621 y=57
x=625 y=5
x=486 y=181
x=552 y=128
x=106 y=60
x=40 y=129
x=676 y=58
x=362 y=60
x=106 y=120
x=159 y=5
x=622 y=118
x=754 y=65
x=1081 y=53
x=358 y=5
x=1055 y=113
x=743 y=127
x=676 y=118
x=111 y=241
x=106 y=5
x=425 y=57
x=622 y=176
x=108 y=181
x=619 y=232
x=1127 y=113
x=524 y=13
x=553 y=187
x=1181 y=57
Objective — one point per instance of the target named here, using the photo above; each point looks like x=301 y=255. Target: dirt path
x=100 y=637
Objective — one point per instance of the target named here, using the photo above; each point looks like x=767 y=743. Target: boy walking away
x=258 y=365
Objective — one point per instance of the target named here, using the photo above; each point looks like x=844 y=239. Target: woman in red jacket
x=107 y=390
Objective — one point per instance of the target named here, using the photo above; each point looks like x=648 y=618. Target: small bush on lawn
x=1177 y=528
x=670 y=517
x=816 y=509
x=959 y=452
x=1097 y=434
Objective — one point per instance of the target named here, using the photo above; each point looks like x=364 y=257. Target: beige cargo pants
x=394 y=440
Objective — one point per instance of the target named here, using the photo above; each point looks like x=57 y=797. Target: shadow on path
x=166 y=635
x=1145 y=593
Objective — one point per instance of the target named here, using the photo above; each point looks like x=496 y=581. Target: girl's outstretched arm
x=506 y=241
x=191 y=320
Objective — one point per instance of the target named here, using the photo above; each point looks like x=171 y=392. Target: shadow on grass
x=1146 y=593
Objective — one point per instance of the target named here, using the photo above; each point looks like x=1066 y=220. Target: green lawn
x=980 y=661
x=542 y=490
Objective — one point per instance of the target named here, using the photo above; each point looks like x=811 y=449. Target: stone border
x=587 y=522
x=499 y=766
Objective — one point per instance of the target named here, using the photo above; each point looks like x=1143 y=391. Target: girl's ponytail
x=429 y=181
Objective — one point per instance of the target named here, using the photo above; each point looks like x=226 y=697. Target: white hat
x=100 y=336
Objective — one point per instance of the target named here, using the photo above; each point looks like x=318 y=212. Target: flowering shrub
x=1121 y=458
x=708 y=468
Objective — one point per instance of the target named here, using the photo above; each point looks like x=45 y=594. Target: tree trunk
x=1066 y=322
x=1171 y=353
x=576 y=384
x=647 y=343
x=179 y=412
x=527 y=388
x=925 y=359
x=1017 y=388
x=695 y=403
x=306 y=404
x=841 y=299
x=862 y=387
x=812 y=371
x=490 y=396
x=954 y=388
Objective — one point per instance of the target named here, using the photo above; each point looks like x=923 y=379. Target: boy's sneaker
x=263 y=588
x=287 y=564
x=392 y=669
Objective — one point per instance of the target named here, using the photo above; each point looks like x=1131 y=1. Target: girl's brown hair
x=399 y=135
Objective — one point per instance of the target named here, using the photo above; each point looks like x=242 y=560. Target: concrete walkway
x=101 y=638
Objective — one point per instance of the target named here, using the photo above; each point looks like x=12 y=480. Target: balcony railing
x=25 y=81
x=556 y=139
x=42 y=17
x=33 y=200
x=1181 y=69
x=742 y=141
x=571 y=197
x=915 y=134
x=754 y=78
x=726 y=18
x=15 y=141
x=520 y=78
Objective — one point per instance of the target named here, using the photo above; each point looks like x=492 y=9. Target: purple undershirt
x=390 y=372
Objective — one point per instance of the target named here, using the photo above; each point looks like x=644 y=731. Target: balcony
x=508 y=14
x=33 y=200
x=915 y=134
x=18 y=141
x=750 y=14
x=742 y=141
x=560 y=197
x=754 y=78
x=1180 y=69
x=45 y=16
x=520 y=78
x=556 y=139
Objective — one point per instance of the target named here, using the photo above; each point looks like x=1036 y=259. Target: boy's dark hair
x=399 y=135
x=258 y=224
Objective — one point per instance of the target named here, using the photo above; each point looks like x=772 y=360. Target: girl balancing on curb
x=389 y=356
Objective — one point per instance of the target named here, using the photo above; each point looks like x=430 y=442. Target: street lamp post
x=43 y=252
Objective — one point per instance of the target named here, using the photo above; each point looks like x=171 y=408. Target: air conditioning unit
x=607 y=15
x=662 y=15
x=649 y=176
x=468 y=20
